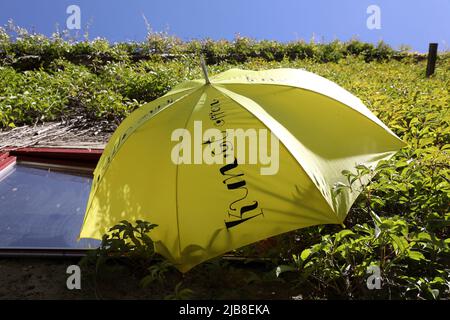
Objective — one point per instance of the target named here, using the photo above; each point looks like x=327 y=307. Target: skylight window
x=42 y=206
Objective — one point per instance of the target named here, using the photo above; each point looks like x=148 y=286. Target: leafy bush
x=30 y=97
x=129 y=246
x=413 y=256
x=126 y=240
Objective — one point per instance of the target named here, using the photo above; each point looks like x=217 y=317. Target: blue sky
x=415 y=23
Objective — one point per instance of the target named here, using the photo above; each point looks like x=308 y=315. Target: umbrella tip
x=204 y=69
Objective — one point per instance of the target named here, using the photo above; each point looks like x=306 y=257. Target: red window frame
x=82 y=159
x=6 y=160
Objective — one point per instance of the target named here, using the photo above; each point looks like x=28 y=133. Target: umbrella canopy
x=240 y=157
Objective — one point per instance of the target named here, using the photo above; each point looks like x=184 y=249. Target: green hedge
x=26 y=51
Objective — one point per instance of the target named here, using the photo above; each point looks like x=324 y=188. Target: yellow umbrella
x=240 y=157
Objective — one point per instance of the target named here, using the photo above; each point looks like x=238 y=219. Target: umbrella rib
x=176 y=171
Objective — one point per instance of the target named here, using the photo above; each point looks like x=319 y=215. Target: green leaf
x=423 y=236
x=400 y=244
x=305 y=254
x=344 y=233
x=415 y=255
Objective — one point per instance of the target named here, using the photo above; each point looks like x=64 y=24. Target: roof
x=57 y=135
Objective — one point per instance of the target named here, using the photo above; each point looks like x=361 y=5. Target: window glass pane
x=42 y=208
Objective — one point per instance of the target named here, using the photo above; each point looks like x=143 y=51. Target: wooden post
x=204 y=69
x=432 y=55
